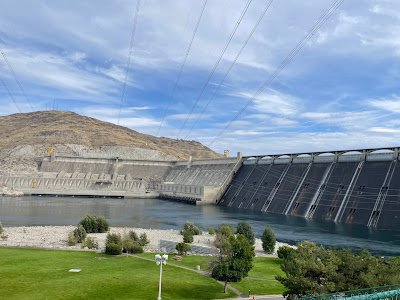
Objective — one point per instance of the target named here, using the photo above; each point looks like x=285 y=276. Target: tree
x=187 y=236
x=235 y=259
x=189 y=226
x=80 y=233
x=226 y=230
x=133 y=235
x=143 y=240
x=245 y=229
x=312 y=270
x=94 y=224
x=113 y=238
x=268 y=240
x=284 y=251
x=183 y=248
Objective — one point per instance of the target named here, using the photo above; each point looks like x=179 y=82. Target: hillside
x=50 y=128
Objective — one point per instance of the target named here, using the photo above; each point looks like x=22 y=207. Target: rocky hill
x=25 y=138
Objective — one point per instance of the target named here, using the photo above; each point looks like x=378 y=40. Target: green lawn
x=43 y=274
x=266 y=267
x=190 y=261
x=259 y=287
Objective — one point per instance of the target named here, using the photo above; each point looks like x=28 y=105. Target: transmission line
x=128 y=64
x=15 y=77
x=231 y=66
x=324 y=17
x=216 y=64
x=11 y=96
x=183 y=64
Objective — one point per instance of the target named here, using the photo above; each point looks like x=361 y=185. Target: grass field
x=43 y=274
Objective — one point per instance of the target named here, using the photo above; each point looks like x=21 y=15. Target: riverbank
x=55 y=237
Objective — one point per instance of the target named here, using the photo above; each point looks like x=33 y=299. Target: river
x=161 y=214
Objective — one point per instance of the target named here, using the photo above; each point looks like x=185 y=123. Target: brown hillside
x=65 y=127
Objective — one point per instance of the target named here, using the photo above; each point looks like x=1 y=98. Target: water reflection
x=160 y=214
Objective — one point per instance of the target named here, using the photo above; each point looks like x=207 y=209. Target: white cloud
x=184 y=116
x=273 y=102
x=246 y=132
x=384 y=130
x=391 y=104
x=347 y=120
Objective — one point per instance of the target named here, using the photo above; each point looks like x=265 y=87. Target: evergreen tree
x=268 y=240
x=245 y=229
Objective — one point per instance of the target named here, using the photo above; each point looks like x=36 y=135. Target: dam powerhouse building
x=360 y=186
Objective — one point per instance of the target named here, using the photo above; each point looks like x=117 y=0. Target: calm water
x=160 y=214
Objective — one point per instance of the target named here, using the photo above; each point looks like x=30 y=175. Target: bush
x=268 y=240
x=133 y=235
x=187 y=236
x=80 y=234
x=113 y=249
x=130 y=246
x=114 y=238
x=284 y=251
x=189 y=226
x=1 y=228
x=71 y=239
x=94 y=224
x=245 y=229
x=211 y=231
x=91 y=243
x=183 y=248
x=143 y=240
x=226 y=230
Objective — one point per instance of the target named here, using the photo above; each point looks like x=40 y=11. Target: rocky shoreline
x=55 y=237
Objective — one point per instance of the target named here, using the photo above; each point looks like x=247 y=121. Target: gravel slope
x=55 y=237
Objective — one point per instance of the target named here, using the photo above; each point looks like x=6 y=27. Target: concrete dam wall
x=361 y=188
x=197 y=181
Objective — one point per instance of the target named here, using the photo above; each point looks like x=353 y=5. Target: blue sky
x=341 y=91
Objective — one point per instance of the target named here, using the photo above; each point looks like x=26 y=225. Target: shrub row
x=129 y=244
x=95 y=224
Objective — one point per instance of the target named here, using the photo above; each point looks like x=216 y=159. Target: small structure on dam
x=353 y=186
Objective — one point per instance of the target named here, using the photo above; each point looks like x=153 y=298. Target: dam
x=360 y=186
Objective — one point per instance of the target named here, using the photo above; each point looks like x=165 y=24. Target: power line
x=183 y=64
x=231 y=66
x=216 y=64
x=129 y=57
x=323 y=18
x=11 y=96
x=15 y=77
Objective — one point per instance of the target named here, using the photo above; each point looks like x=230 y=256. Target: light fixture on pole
x=161 y=260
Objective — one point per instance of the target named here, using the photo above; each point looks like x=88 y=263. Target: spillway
x=352 y=186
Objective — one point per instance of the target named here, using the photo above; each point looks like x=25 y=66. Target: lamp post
x=161 y=260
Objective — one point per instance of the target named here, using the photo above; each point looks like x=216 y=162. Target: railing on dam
x=391 y=292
